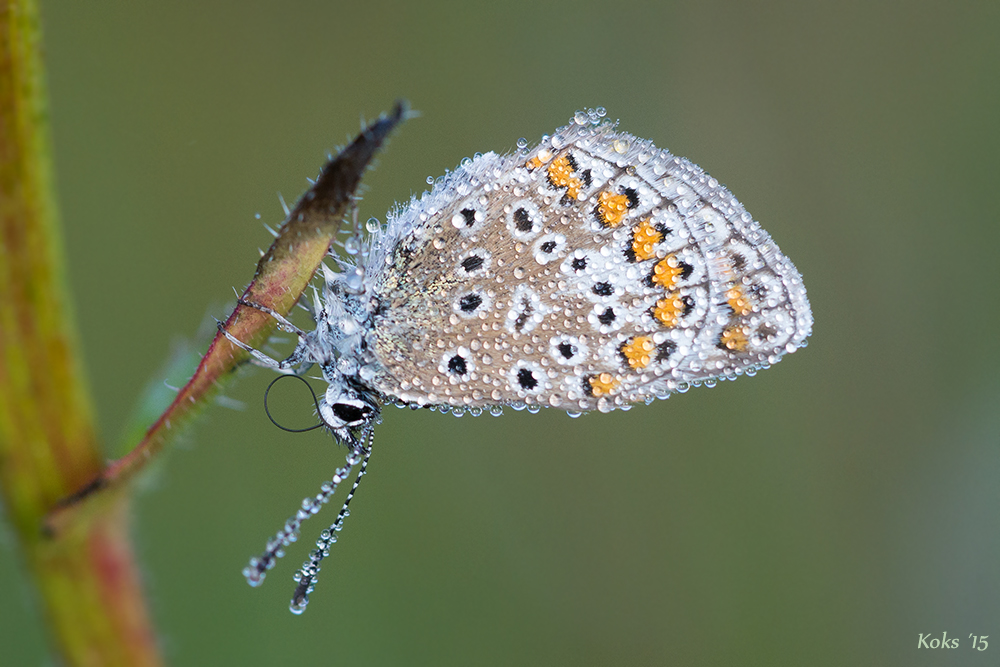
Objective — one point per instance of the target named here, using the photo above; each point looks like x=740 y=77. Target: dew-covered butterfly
x=590 y=272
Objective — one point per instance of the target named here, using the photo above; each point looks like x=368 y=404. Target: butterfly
x=592 y=271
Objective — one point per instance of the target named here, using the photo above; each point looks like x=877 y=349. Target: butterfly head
x=345 y=408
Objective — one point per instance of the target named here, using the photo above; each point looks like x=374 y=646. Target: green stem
x=87 y=578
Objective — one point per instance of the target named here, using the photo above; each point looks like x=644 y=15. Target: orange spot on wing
x=611 y=208
x=638 y=352
x=666 y=271
x=668 y=310
x=561 y=176
x=738 y=301
x=644 y=240
x=603 y=384
x=533 y=163
x=734 y=339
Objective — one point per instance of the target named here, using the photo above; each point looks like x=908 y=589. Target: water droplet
x=355 y=280
x=352 y=245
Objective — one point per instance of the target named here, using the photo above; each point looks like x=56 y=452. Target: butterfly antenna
x=306 y=576
x=275 y=547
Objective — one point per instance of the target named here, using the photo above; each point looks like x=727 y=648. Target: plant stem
x=88 y=581
x=283 y=273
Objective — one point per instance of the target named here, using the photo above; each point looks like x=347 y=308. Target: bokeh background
x=825 y=512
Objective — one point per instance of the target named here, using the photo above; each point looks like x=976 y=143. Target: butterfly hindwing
x=592 y=272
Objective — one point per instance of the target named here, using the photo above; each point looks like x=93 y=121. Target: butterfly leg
x=285 y=366
x=302 y=356
x=306 y=352
x=281 y=319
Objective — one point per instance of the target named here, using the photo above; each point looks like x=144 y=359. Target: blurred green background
x=825 y=512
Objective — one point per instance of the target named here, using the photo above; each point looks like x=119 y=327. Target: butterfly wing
x=594 y=271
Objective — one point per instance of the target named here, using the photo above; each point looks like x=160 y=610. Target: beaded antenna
x=591 y=272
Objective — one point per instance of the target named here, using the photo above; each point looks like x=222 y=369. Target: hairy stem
x=88 y=581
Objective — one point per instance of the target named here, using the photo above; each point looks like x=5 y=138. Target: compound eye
x=349 y=413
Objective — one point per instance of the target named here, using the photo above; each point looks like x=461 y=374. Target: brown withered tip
x=336 y=184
